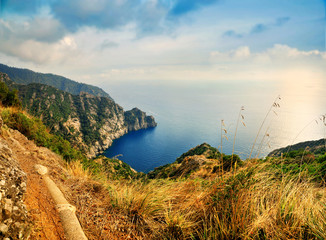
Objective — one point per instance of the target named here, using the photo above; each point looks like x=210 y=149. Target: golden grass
x=251 y=203
x=76 y=170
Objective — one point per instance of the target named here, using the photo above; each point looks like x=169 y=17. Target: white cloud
x=277 y=63
x=241 y=53
x=39 y=52
x=277 y=52
x=285 y=52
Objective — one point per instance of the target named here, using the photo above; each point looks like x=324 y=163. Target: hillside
x=26 y=76
x=316 y=146
x=89 y=122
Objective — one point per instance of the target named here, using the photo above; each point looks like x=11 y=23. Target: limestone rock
x=136 y=119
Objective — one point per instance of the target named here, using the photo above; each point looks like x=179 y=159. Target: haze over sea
x=190 y=113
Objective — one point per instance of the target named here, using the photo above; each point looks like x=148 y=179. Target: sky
x=99 y=41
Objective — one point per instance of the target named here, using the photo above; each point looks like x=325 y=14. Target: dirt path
x=38 y=201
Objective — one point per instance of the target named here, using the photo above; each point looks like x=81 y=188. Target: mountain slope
x=90 y=123
x=26 y=76
x=202 y=161
x=315 y=146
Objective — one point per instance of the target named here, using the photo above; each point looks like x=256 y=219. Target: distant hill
x=316 y=146
x=201 y=161
x=26 y=76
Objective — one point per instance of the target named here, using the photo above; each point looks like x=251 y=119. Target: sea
x=249 y=118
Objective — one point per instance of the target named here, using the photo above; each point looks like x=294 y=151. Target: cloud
x=258 y=28
x=43 y=29
x=31 y=39
x=277 y=63
x=181 y=7
x=241 y=53
x=277 y=55
x=99 y=13
x=106 y=14
x=40 y=53
x=18 y=7
x=285 y=53
x=151 y=16
x=39 y=40
x=233 y=34
x=281 y=21
x=108 y=44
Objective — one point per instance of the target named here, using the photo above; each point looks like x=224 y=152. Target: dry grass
x=252 y=203
x=77 y=171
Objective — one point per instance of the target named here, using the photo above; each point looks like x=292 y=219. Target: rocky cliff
x=137 y=119
x=89 y=122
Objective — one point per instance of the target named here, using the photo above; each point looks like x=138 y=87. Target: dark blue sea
x=190 y=113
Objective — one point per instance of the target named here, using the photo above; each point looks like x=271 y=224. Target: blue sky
x=121 y=40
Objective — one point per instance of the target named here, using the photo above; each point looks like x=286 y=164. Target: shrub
x=8 y=97
x=34 y=129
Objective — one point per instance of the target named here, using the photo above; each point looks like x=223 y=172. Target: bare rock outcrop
x=135 y=119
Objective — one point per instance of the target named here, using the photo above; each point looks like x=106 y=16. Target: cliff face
x=136 y=119
x=89 y=122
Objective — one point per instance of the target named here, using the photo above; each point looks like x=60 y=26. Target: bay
x=190 y=113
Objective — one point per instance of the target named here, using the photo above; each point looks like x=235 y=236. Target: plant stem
x=261 y=126
x=235 y=134
x=222 y=145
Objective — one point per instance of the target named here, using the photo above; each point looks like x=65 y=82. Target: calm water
x=190 y=113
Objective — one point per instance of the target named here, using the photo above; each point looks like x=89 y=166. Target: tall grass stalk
x=301 y=161
x=236 y=129
x=262 y=141
x=275 y=104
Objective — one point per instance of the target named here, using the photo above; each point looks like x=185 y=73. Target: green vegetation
x=25 y=76
x=301 y=163
x=203 y=149
x=85 y=120
x=9 y=98
x=203 y=158
x=56 y=107
x=34 y=129
x=316 y=146
x=136 y=119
